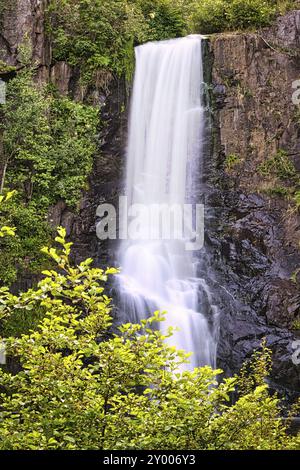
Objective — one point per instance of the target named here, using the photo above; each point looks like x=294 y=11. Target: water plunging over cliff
x=164 y=160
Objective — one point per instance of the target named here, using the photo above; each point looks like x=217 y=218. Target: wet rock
x=258 y=249
x=55 y=214
x=282 y=303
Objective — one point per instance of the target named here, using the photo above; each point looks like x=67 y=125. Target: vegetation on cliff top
x=215 y=16
x=99 y=35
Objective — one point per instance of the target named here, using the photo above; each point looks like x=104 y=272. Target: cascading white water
x=165 y=149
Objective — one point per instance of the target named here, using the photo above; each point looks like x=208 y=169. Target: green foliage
x=210 y=16
x=82 y=387
x=232 y=161
x=21 y=254
x=214 y=16
x=99 y=35
x=19 y=250
x=25 y=51
x=254 y=372
x=26 y=133
x=281 y=169
x=6 y=231
x=48 y=144
x=280 y=191
x=73 y=131
x=243 y=14
x=22 y=322
x=164 y=19
x=280 y=166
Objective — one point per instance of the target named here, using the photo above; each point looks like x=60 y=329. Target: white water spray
x=165 y=150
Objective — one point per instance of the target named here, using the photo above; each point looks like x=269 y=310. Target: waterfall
x=164 y=158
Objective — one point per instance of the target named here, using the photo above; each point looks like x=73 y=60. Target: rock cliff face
x=254 y=238
x=257 y=242
x=20 y=19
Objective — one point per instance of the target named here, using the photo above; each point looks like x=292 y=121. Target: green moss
x=5 y=68
x=281 y=170
x=278 y=191
x=20 y=255
x=22 y=322
x=280 y=166
x=232 y=161
x=296 y=325
x=5 y=7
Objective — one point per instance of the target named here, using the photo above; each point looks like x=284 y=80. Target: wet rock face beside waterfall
x=256 y=246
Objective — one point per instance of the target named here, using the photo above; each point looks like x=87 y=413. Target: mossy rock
x=5 y=68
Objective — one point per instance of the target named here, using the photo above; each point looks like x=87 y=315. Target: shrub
x=281 y=169
x=210 y=16
x=99 y=35
x=243 y=14
x=81 y=387
x=213 y=16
